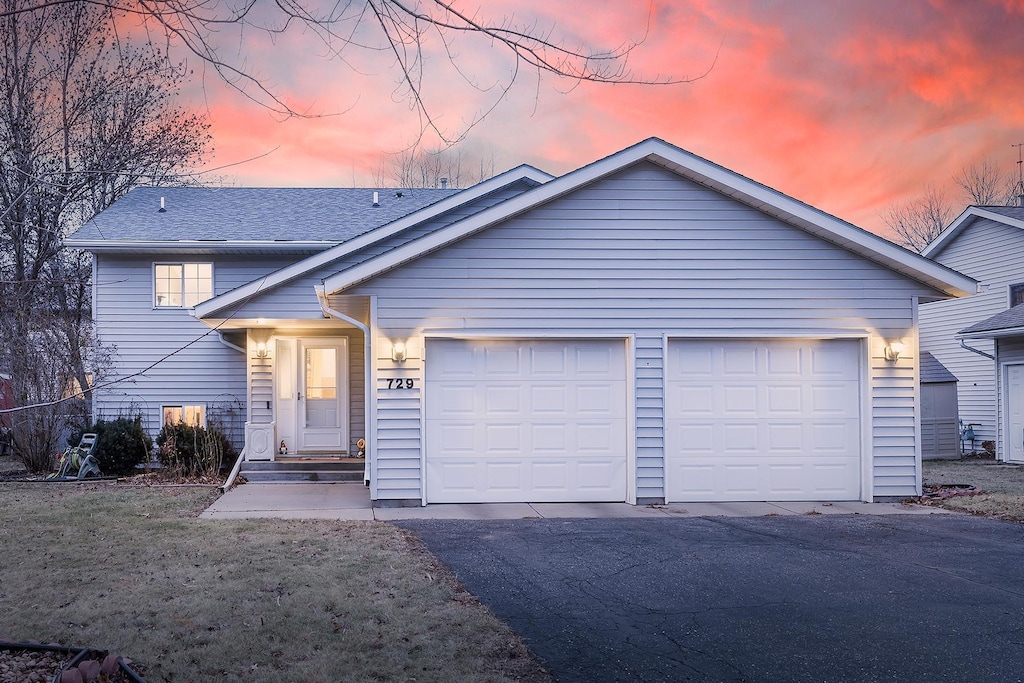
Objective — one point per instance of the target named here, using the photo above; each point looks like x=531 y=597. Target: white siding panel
x=989 y=252
x=160 y=357
x=646 y=253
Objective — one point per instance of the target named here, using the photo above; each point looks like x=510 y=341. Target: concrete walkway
x=351 y=501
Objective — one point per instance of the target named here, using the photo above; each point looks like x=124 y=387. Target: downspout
x=329 y=312
x=225 y=342
x=964 y=345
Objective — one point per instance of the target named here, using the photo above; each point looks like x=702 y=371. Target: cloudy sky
x=848 y=106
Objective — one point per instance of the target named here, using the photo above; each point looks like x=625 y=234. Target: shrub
x=193 y=451
x=121 y=444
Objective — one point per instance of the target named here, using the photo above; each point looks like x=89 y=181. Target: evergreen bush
x=121 y=444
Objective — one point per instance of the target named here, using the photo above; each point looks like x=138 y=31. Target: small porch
x=306 y=380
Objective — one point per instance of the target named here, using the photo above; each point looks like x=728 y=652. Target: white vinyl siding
x=198 y=368
x=164 y=356
x=987 y=251
x=646 y=253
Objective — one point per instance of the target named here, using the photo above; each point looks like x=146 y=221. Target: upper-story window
x=182 y=285
x=1016 y=294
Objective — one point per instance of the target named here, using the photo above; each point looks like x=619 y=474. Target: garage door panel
x=763 y=420
x=548 y=420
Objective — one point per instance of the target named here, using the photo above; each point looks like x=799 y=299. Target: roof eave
x=186 y=246
x=960 y=223
x=699 y=170
x=992 y=334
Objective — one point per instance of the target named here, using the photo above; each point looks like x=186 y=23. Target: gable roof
x=1008 y=323
x=245 y=216
x=934 y=372
x=696 y=169
x=521 y=174
x=1009 y=215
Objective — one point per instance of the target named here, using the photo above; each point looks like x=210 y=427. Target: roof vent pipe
x=375 y=202
x=444 y=183
x=162 y=209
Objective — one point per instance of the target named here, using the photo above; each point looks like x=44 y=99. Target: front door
x=312 y=396
x=1015 y=413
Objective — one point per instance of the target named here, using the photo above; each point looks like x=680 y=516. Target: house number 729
x=401 y=383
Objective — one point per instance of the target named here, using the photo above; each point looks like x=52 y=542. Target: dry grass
x=1002 y=486
x=132 y=570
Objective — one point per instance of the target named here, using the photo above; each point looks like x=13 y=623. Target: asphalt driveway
x=809 y=598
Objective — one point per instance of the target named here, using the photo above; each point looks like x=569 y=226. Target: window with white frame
x=1016 y=294
x=191 y=415
x=182 y=285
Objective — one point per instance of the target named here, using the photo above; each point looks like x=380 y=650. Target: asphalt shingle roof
x=1009 y=319
x=253 y=213
x=933 y=371
x=1008 y=211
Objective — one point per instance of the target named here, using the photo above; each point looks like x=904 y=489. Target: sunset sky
x=848 y=106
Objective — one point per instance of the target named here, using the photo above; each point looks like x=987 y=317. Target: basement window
x=194 y=416
x=182 y=285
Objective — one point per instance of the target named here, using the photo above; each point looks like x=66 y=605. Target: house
x=1005 y=330
x=984 y=243
x=648 y=328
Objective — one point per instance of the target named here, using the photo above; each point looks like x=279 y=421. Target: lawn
x=1001 y=486
x=132 y=570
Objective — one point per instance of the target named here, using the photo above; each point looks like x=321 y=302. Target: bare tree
x=917 y=222
x=85 y=117
x=406 y=31
x=442 y=167
x=984 y=184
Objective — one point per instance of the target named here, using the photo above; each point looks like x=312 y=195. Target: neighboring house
x=1006 y=331
x=6 y=400
x=984 y=243
x=651 y=327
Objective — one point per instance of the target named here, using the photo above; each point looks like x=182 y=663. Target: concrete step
x=297 y=476
x=295 y=470
x=297 y=465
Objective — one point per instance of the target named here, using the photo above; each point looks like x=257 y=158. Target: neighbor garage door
x=763 y=420
x=525 y=421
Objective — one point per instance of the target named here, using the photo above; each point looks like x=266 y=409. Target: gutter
x=321 y=295
x=964 y=345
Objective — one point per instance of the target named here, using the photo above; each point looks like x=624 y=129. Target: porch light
x=398 y=352
x=893 y=351
x=262 y=351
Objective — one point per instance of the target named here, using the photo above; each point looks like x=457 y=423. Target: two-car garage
x=549 y=420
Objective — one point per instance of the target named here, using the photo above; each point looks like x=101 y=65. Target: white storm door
x=1014 y=381
x=763 y=420
x=526 y=421
x=322 y=414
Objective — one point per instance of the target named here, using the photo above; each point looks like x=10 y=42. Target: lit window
x=182 y=285
x=190 y=415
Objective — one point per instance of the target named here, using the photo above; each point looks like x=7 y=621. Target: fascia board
x=365 y=240
x=701 y=171
x=993 y=334
x=180 y=246
x=961 y=223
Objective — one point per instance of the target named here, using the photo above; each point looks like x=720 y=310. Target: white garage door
x=525 y=421
x=763 y=420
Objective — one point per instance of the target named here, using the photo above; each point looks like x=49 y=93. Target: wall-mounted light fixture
x=398 y=352
x=262 y=351
x=893 y=351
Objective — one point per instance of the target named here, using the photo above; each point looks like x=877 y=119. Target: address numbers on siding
x=399 y=383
